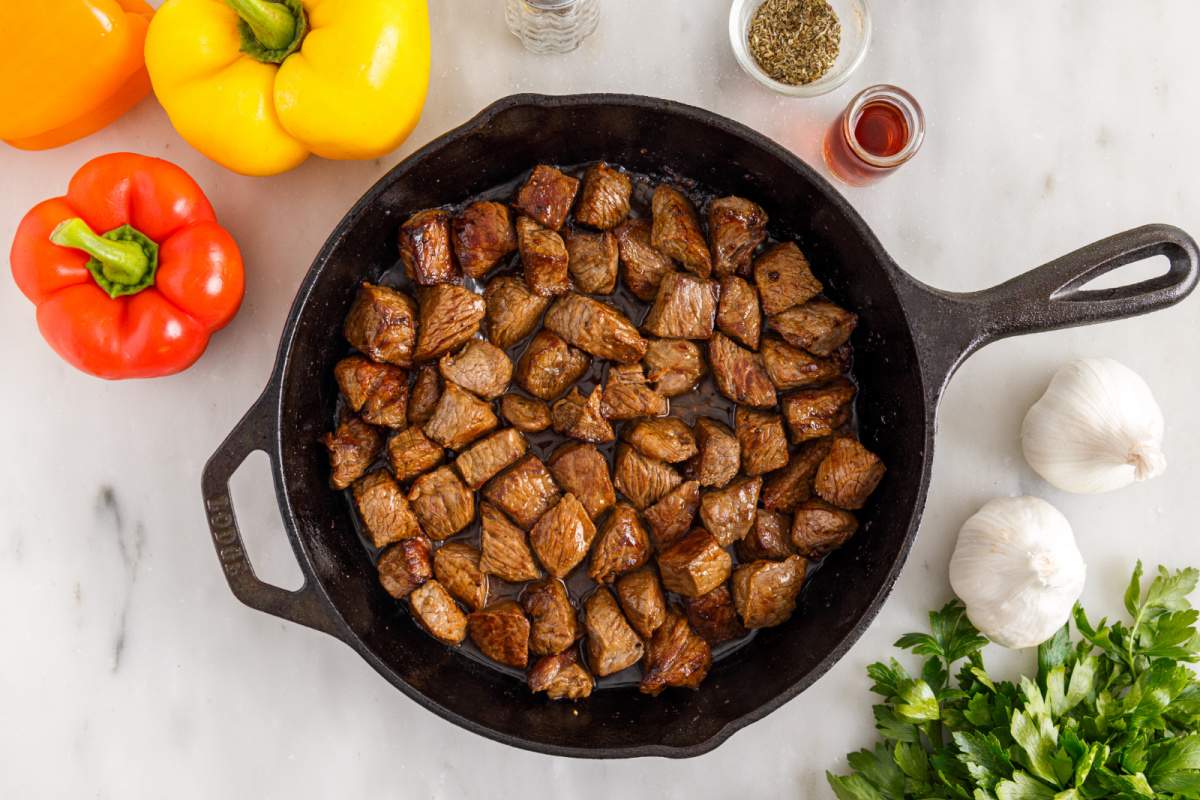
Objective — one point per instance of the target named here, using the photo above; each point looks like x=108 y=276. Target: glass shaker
x=551 y=26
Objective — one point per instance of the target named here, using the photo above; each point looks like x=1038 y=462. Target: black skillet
x=910 y=339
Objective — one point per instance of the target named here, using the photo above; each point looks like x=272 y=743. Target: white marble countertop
x=128 y=668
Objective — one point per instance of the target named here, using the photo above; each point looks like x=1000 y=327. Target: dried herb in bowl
x=795 y=41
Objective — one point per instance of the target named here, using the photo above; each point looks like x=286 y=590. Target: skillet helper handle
x=304 y=605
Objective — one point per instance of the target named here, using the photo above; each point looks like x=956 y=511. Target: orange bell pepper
x=69 y=67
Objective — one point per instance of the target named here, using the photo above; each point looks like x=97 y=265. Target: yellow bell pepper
x=69 y=67
x=257 y=85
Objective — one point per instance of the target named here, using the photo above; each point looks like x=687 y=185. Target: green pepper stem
x=122 y=262
x=272 y=23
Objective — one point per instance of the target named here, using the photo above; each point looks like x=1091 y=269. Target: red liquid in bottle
x=881 y=129
x=874 y=135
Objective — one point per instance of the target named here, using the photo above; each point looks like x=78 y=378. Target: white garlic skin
x=1097 y=428
x=1017 y=570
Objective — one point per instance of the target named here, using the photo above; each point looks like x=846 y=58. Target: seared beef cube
x=444 y=506
x=378 y=392
x=643 y=480
x=792 y=485
x=425 y=248
x=737 y=312
x=459 y=419
x=818 y=326
x=672 y=516
x=456 y=566
x=848 y=474
x=596 y=328
x=611 y=644
x=526 y=414
x=411 y=452
x=383 y=324
x=674 y=366
x=435 y=611
x=739 y=373
x=561 y=677
x=604 y=200
x=593 y=261
x=675 y=656
x=547 y=196
x=676 y=230
x=423 y=399
x=544 y=259
x=501 y=632
x=628 y=396
x=352 y=448
x=480 y=367
x=621 y=546
x=720 y=455
x=484 y=460
x=641 y=597
x=482 y=234
x=770 y=537
x=384 y=510
x=450 y=317
x=784 y=278
x=562 y=536
x=580 y=469
x=792 y=368
x=524 y=491
x=580 y=418
x=814 y=413
x=819 y=528
x=765 y=591
x=728 y=513
x=555 y=627
x=512 y=310
x=737 y=227
x=762 y=439
x=505 y=548
x=665 y=438
x=713 y=616
x=694 y=565
x=549 y=366
x=684 y=308
x=642 y=267
x=406 y=565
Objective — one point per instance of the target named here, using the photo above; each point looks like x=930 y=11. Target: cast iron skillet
x=909 y=341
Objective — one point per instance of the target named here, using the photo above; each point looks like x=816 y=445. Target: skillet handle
x=304 y=605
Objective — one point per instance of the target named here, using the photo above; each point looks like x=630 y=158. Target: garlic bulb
x=1017 y=570
x=1096 y=428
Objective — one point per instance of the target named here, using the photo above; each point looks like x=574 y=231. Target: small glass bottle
x=551 y=26
x=882 y=128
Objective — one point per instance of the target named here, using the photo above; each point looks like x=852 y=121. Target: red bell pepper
x=141 y=298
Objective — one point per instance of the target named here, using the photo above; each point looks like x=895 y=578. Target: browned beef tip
x=459 y=418
x=527 y=414
x=555 y=627
x=769 y=537
x=422 y=400
x=456 y=566
x=480 y=367
x=604 y=199
x=719 y=455
x=665 y=438
x=784 y=278
x=524 y=491
x=819 y=528
x=411 y=452
x=790 y=486
x=436 y=612
x=642 y=600
x=792 y=368
x=444 y=506
x=672 y=516
x=383 y=324
x=818 y=326
x=505 y=548
x=580 y=469
x=611 y=644
x=549 y=366
x=676 y=230
x=674 y=366
x=482 y=234
x=713 y=616
x=762 y=439
x=694 y=565
x=547 y=196
x=512 y=310
x=352 y=448
x=425 y=248
x=482 y=461
x=580 y=417
x=450 y=316
x=737 y=312
x=544 y=258
x=501 y=632
x=765 y=591
x=643 y=480
x=675 y=656
x=728 y=513
x=561 y=677
x=642 y=267
x=739 y=373
x=593 y=260
x=621 y=546
x=737 y=227
x=378 y=392
x=406 y=565
x=562 y=536
x=684 y=308
x=628 y=396
x=596 y=328
x=848 y=474
x=384 y=510
x=814 y=413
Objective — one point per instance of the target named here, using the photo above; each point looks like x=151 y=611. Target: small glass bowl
x=855 y=17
